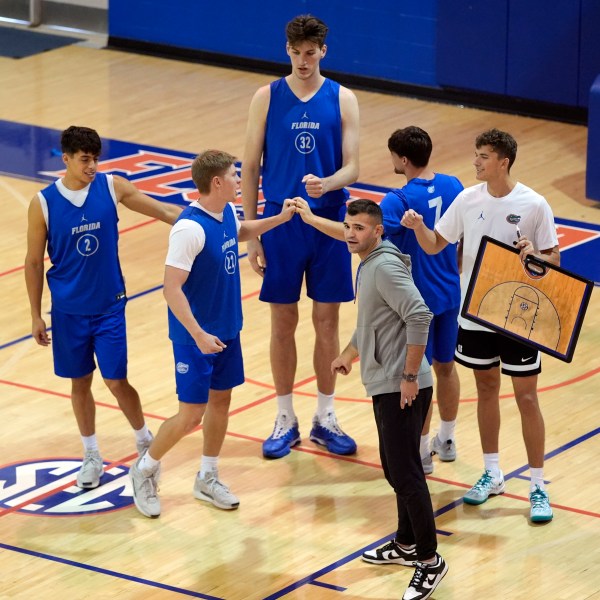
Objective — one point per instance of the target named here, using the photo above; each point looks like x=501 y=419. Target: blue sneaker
x=329 y=434
x=541 y=511
x=285 y=435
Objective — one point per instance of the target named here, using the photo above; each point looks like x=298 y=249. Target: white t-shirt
x=187 y=239
x=475 y=213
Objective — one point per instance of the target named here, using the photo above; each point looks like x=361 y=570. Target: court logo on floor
x=47 y=488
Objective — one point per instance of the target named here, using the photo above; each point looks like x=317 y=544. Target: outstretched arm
x=250 y=229
x=335 y=229
x=128 y=195
x=431 y=241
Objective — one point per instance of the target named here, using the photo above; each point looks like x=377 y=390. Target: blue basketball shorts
x=441 y=342
x=197 y=373
x=77 y=338
x=294 y=250
x=485 y=350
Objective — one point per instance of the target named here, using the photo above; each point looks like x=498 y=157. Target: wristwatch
x=410 y=377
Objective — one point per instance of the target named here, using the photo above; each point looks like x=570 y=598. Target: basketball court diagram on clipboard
x=533 y=301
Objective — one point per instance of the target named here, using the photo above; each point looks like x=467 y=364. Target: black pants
x=399 y=439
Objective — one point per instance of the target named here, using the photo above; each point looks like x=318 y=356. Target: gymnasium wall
x=533 y=50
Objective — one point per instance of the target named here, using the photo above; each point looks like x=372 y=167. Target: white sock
x=208 y=463
x=143 y=434
x=90 y=443
x=285 y=404
x=446 y=431
x=537 y=478
x=148 y=465
x=492 y=464
x=324 y=404
x=424 y=446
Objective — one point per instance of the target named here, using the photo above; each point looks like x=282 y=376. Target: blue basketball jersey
x=436 y=276
x=85 y=277
x=302 y=138
x=213 y=287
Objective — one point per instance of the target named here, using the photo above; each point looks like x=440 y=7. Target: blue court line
x=72 y=563
x=310 y=579
x=329 y=586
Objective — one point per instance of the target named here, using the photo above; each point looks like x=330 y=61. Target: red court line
x=126 y=230
x=300 y=448
x=68 y=397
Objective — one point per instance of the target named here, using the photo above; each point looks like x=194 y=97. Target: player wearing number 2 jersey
x=305 y=129
x=436 y=277
x=76 y=219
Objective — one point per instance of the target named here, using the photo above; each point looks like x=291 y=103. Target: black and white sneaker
x=391 y=553
x=425 y=579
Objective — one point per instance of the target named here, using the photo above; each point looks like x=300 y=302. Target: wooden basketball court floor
x=305 y=519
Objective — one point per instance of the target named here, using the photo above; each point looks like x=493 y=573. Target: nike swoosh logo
x=429 y=581
x=526 y=359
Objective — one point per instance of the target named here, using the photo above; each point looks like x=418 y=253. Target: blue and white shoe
x=541 y=511
x=285 y=435
x=329 y=434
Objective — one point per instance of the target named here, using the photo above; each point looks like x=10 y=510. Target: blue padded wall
x=472 y=45
x=389 y=39
x=592 y=173
x=589 y=64
x=543 y=50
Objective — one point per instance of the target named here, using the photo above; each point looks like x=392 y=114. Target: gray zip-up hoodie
x=391 y=314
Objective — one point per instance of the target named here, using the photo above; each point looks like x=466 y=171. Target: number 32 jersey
x=302 y=138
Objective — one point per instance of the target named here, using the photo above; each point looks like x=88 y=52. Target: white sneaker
x=485 y=487
x=427 y=463
x=145 y=491
x=210 y=489
x=143 y=446
x=445 y=450
x=91 y=470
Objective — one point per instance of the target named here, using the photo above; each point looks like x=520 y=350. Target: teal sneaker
x=541 y=511
x=486 y=486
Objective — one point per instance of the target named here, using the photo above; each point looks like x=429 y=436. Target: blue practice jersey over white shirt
x=213 y=287
x=85 y=277
x=436 y=276
x=302 y=138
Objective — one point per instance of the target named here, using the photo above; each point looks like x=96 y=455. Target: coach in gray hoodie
x=390 y=338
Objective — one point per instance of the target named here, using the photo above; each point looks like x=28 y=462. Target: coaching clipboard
x=534 y=302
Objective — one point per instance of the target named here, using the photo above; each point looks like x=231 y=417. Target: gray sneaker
x=143 y=446
x=91 y=470
x=212 y=490
x=485 y=487
x=145 y=491
x=427 y=463
x=445 y=450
